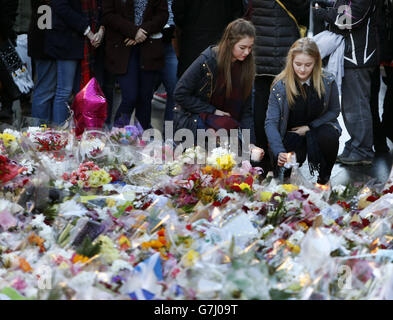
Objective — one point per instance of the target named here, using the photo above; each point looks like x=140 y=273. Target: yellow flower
x=293 y=248
x=243 y=186
x=225 y=162
x=190 y=258
x=98 y=178
x=110 y=202
x=107 y=250
x=124 y=242
x=266 y=196
x=7 y=139
x=290 y=187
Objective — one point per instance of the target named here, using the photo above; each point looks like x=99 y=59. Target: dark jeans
x=137 y=87
x=355 y=105
x=169 y=79
x=328 y=142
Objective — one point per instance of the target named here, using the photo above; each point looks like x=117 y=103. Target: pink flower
x=19 y=284
x=7 y=220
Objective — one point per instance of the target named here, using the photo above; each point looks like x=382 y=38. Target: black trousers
x=262 y=91
x=328 y=142
x=379 y=135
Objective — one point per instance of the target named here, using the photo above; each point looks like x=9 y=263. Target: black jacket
x=201 y=23
x=194 y=90
x=361 y=36
x=385 y=30
x=8 y=13
x=66 y=40
x=36 y=36
x=276 y=32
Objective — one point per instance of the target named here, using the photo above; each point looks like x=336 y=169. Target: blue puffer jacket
x=278 y=112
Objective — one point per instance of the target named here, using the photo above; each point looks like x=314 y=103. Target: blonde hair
x=289 y=77
x=234 y=32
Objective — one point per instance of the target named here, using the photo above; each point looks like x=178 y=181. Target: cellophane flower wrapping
x=110 y=216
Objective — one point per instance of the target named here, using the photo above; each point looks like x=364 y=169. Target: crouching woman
x=303 y=110
x=215 y=91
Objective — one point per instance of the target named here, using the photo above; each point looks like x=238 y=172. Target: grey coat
x=278 y=112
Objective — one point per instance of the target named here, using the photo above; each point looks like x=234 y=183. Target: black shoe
x=323 y=180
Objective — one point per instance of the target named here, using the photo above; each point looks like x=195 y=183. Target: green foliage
x=87 y=248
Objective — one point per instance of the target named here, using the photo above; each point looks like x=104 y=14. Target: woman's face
x=242 y=49
x=303 y=64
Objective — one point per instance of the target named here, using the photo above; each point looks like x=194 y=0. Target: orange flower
x=161 y=232
x=162 y=240
x=38 y=241
x=24 y=265
x=79 y=258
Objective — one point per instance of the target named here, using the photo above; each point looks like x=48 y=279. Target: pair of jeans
x=169 y=79
x=356 y=111
x=55 y=79
x=136 y=87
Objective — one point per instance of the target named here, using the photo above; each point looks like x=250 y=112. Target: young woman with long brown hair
x=215 y=91
x=303 y=110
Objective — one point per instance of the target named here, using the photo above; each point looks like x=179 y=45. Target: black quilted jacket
x=276 y=32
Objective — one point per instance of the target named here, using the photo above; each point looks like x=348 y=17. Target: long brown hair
x=288 y=75
x=234 y=32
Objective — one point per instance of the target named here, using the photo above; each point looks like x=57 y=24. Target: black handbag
x=14 y=75
x=183 y=119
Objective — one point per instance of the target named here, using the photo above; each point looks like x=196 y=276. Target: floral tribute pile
x=92 y=218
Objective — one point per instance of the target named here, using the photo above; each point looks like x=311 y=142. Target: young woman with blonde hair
x=303 y=110
x=215 y=91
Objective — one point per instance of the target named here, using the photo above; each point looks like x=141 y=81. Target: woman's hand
x=301 y=131
x=141 y=36
x=256 y=153
x=282 y=159
x=129 y=42
x=97 y=39
x=221 y=113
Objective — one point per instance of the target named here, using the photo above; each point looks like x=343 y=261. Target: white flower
x=10 y=206
x=72 y=208
x=82 y=281
x=120 y=265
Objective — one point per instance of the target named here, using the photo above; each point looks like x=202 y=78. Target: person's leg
x=145 y=95
x=106 y=81
x=261 y=98
x=388 y=105
x=169 y=79
x=378 y=133
x=356 y=90
x=129 y=90
x=108 y=88
x=328 y=142
x=65 y=81
x=44 y=90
